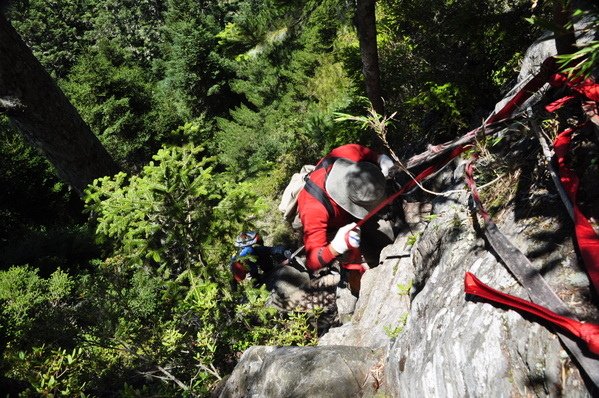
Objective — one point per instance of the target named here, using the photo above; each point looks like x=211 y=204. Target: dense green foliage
x=159 y=304
x=208 y=107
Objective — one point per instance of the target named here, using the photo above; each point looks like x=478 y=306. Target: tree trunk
x=366 y=24
x=36 y=105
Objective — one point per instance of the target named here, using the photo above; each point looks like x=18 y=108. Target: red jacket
x=315 y=218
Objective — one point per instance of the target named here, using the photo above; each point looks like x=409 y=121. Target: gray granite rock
x=318 y=372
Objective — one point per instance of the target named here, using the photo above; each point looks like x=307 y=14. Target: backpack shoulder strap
x=317 y=191
x=320 y=195
x=326 y=162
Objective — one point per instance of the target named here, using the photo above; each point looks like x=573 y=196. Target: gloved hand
x=385 y=163
x=340 y=244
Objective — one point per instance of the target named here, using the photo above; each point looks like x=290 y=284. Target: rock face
x=339 y=371
x=441 y=344
x=414 y=332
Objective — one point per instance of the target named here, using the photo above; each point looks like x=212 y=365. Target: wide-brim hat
x=358 y=187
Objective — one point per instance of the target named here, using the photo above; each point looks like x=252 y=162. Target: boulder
x=322 y=372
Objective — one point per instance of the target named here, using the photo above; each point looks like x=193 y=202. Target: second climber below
x=254 y=258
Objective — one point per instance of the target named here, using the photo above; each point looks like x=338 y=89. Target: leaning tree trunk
x=366 y=24
x=36 y=105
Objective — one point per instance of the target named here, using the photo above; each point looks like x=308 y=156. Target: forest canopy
x=207 y=108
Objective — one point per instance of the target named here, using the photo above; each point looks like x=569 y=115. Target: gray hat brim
x=346 y=174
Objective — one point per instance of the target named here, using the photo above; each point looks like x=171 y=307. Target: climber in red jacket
x=345 y=186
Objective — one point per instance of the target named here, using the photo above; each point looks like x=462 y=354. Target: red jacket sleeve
x=315 y=221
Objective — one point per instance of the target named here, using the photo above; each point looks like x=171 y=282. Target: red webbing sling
x=587 y=332
x=587 y=239
x=537 y=288
x=584 y=87
x=521 y=267
x=548 y=68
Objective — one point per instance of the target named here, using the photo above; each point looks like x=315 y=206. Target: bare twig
x=499 y=177
x=210 y=369
x=413 y=177
x=172 y=378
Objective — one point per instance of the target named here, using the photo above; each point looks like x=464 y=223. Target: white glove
x=385 y=163
x=340 y=244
